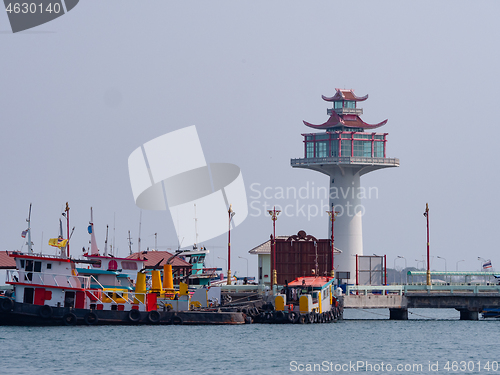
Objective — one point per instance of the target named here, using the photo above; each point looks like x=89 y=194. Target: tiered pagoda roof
x=342 y=119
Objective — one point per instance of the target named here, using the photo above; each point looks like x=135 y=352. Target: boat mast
x=30 y=248
x=139 y=238
x=195 y=227
x=106 y=242
x=129 y=243
x=67 y=227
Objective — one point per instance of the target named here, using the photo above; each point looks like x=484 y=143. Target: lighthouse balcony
x=345 y=111
x=346 y=160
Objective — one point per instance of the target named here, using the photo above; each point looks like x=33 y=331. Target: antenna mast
x=129 y=243
x=139 y=239
x=30 y=249
x=195 y=227
x=106 y=242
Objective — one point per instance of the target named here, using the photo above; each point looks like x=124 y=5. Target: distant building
x=180 y=268
x=296 y=256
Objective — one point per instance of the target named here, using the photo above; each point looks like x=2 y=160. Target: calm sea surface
x=366 y=338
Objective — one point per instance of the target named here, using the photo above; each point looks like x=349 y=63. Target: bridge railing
x=452 y=288
x=374 y=289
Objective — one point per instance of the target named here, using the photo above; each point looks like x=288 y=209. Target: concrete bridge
x=470 y=300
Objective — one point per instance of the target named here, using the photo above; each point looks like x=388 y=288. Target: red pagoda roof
x=345 y=95
x=353 y=121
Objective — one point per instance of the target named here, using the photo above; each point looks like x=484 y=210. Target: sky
x=82 y=92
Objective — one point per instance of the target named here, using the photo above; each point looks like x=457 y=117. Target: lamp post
x=333 y=215
x=418 y=261
x=445 y=269
x=394 y=270
x=231 y=213
x=274 y=216
x=406 y=268
x=224 y=259
x=426 y=214
x=463 y=260
x=247 y=263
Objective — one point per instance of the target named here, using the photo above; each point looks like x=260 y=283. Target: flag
x=58 y=242
x=23 y=233
x=487 y=264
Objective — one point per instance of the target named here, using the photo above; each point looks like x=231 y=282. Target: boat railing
x=126 y=296
x=48 y=279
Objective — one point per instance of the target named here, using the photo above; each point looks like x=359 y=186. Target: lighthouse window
x=345 y=148
x=309 y=150
x=379 y=137
x=349 y=104
x=337 y=105
x=358 y=148
x=335 y=148
x=322 y=136
x=378 y=151
x=321 y=149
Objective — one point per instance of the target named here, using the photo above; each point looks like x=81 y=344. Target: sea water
x=430 y=342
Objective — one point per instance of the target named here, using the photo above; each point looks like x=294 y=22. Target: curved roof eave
x=339 y=95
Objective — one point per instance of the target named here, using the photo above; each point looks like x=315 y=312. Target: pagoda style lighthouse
x=346 y=149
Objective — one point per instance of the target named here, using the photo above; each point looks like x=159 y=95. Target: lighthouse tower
x=345 y=149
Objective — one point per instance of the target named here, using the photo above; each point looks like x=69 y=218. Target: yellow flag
x=58 y=242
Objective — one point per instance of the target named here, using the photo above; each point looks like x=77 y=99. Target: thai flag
x=23 y=233
x=487 y=264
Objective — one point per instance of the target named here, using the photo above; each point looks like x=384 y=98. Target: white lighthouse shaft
x=348 y=234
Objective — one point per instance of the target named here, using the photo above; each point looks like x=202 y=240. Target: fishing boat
x=52 y=290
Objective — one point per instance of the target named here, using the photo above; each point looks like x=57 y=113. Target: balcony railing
x=345 y=111
x=345 y=160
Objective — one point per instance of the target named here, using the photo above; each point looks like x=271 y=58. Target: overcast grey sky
x=80 y=93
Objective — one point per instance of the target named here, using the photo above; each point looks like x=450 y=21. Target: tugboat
x=307 y=299
x=51 y=290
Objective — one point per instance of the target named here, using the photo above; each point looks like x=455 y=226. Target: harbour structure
x=345 y=149
x=296 y=256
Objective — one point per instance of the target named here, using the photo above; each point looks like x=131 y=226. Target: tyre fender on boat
x=154 y=316
x=134 y=315
x=292 y=315
x=310 y=318
x=280 y=315
x=91 y=318
x=6 y=304
x=69 y=319
x=303 y=318
x=177 y=320
x=45 y=311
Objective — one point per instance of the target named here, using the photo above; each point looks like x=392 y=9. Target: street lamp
x=333 y=215
x=426 y=214
x=406 y=269
x=445 y=270
x=274 y=216
x=231 y=213
x=463 y=260
x=247 y=264
x=418 y=261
